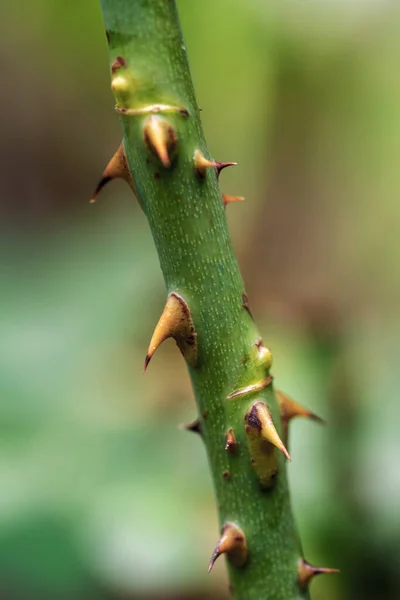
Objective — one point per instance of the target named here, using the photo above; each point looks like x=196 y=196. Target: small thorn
x=175 y=322
x=231 y=443
x=230 y=199
x=245 y=304
x=306 y=572
x=259 y=419
x=233 y=543
x=118 y=63
x=222 y=165
x=201 y=163
x=290 y=409
x=264 y=355
x=195 y=427
x=160 y=137
x=251 y=389
x=117 y=168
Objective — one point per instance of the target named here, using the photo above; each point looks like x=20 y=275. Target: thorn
x=195 y=427
x=245 y=304
x=264 y=355
x=229 y=199
x=117 y=168
x=202 y=163
x=175 y=322
x=123 y=84
x=306 y=572
x=259 y=419
x=118 y=63
x=231 y=443
x=160 y=137
x=291 y=409
x=222 y=165
x=251 y=389
x=233 y=543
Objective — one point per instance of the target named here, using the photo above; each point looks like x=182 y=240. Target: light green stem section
x=187 y=219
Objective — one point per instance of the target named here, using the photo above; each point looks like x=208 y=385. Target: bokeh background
x=101 y=495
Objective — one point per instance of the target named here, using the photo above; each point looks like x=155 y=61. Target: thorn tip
x=160 y=138
x=306 y=572
x=230 y=199
x=232 y=543
x=117 y=168
x=195 y=427
x=175 y=322
x=202 y=163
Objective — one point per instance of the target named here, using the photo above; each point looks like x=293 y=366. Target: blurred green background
x=101 y=495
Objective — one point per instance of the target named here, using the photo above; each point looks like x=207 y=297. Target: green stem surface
x=187 y=220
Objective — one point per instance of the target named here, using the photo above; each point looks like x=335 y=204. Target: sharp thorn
x=222 y=165
x=202 y=163
x=195 y=427
x=160 y=138
x=117 y=168
x=230 y=199
x=230 y=441
x=175 y=322
x=232 y=543
x=306 y=572
x=259 y=419
x=290 y=409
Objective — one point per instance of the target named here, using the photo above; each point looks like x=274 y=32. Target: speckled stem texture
x=186 y=215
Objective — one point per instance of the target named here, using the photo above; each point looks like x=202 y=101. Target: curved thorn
x=202 y=163
x=290 y=409
x=233 y=543
x=222 y=165
x=175 y=322
x=259 y=419
x=117 y=168
x=306 y=572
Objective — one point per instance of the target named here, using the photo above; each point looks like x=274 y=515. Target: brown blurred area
x=307 y=98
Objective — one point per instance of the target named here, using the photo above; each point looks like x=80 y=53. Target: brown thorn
x=118 y=63
x=195 y=427
x=230 y=439
x=251 y=389
x=232 y=543
x=245 y=304
x=202 y=163
x=175 y=322
x=117 y=168
x=160 y=138
x=230 y=199
x=290 y=409
x=222 y=165
x=306 y=572
x=259 y=418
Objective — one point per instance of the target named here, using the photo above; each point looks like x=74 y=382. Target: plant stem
x=186 y=215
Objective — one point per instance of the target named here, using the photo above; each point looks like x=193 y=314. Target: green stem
x=186 y=215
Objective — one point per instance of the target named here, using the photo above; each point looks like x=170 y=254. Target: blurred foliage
x=102 y=496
